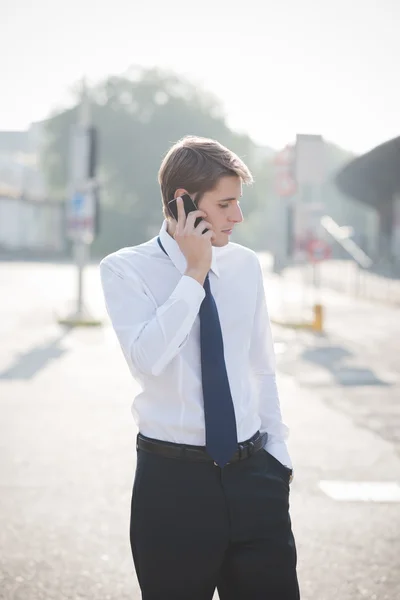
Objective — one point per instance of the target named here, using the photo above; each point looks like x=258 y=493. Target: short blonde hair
x=196 y=164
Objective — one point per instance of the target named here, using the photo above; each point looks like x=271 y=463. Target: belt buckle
x=250 y=449
x=246 y=450
x=241 y=448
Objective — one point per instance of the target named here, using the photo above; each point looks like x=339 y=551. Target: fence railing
x=373 y=278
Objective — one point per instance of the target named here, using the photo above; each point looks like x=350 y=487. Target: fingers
x=186 y=222
x=181 y=213
x=191 y=218
x=202 y=226
x=209 y=235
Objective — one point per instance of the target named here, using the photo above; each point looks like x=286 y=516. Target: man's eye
x=224 y=205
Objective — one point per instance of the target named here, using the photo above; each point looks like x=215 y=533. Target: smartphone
x=188 y=205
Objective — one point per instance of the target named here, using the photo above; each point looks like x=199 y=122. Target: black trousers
x=196 y=527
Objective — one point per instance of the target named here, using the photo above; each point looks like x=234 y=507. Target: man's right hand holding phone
x=195 y=245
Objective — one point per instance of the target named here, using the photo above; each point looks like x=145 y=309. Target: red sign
x=318 y=250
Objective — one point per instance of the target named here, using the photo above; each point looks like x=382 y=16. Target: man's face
x=222 y=208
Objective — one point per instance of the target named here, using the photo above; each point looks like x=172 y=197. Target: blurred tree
x=139 y=116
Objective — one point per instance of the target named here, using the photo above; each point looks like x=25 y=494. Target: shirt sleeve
x=150 y=336
x=262 y=362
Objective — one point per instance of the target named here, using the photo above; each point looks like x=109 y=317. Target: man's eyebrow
x=227 y=199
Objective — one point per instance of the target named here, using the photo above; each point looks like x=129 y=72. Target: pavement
x=67 y=442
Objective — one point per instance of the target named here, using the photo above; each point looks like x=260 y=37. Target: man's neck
x=171 y=226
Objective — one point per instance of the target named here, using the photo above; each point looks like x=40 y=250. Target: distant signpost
x=81 y=205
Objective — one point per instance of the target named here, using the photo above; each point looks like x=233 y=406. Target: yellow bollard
x=318 y=324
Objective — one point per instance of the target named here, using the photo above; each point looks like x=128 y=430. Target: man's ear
x=180 y=192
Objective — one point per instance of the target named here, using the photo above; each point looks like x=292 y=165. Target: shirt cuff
x=280 y=452
x=190 y=290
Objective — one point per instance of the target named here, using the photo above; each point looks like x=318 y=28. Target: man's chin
x=219 y=243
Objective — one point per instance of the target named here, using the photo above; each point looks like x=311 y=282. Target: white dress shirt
x=154 y=310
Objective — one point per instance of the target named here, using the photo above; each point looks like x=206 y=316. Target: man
x=210 y=501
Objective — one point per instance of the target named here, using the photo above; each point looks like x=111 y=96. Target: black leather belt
x=198 y=453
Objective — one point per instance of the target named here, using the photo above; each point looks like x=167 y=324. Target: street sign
x=318 y=250
x=81 y=216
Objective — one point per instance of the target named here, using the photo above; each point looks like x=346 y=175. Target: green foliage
x=139 y=116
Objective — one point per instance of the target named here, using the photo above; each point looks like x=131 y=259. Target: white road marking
x=362 y=491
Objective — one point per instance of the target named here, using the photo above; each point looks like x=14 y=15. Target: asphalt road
x=67 y=444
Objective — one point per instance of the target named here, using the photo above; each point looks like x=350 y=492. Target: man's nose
x=236 y=215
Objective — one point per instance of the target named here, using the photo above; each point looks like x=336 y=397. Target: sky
x=279 y=67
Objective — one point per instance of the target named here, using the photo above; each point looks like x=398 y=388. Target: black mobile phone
x=188 y=205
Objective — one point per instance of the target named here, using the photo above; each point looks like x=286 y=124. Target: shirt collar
x=175 y=253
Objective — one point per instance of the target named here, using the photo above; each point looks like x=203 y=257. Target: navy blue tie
x=219 y=413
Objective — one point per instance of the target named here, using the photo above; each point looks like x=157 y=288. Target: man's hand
x=195 y=245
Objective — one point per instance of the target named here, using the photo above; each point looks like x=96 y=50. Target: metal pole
x=80 y=259
x=80 y=244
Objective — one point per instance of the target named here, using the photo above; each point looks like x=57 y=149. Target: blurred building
x=297 y=213
x=348 y=210
x=374 y=180
x=19 y=161
x=30 y=222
